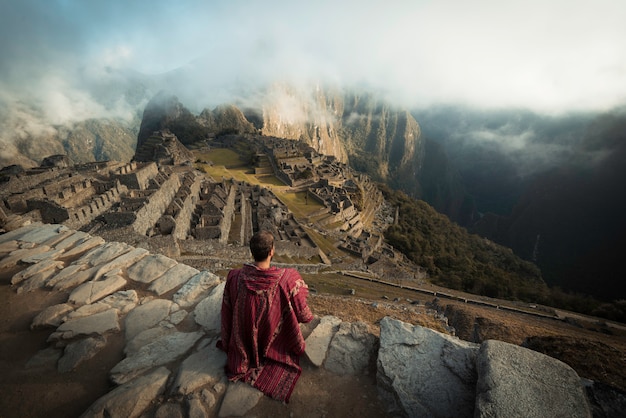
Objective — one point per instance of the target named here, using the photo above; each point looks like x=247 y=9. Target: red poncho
x=261 y=310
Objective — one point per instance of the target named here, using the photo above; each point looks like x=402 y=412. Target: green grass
x=298 y=204
x=227 y=164
x=221 y=156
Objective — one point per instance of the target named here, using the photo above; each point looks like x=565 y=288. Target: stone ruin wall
x=18 y=201
x=30 y=179
x=137 y=176
x=148 y=215
x=188 y=194
x=228 y=212
x=244 y=206
x=100 y=204
x=152 y=201
x=208 y=213
x=292 y=250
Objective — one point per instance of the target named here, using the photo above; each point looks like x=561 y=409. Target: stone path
x=168 y=314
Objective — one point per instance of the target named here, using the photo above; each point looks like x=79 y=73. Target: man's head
x=261 y=245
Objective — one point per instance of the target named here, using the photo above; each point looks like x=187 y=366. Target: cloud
x=547 y=56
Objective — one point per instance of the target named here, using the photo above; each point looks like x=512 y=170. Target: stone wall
x=189 y=196
x=32 y=178
x=154 y=207
x=99 y=205
x=51 y=212
x=137 y=176
x=228 y=214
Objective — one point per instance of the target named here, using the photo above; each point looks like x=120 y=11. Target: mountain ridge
x=391 y=146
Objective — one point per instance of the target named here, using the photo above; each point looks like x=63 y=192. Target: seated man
x=261 y=311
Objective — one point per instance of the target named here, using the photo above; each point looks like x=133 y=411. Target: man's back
x=260 y=332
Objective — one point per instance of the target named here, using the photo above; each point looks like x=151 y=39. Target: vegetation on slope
x=456 y=259
x=459 y=260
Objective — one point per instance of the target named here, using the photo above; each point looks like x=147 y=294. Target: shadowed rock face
x=421 y=372
x=375 y=137
x=165 y=111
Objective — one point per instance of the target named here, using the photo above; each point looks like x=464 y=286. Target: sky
x=547 y=56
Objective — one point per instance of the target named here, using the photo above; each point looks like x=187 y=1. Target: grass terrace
x=227 y=163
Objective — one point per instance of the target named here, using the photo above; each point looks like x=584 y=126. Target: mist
x=552 y=57
x=65 y=61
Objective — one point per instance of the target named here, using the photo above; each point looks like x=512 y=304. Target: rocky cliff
x=313 y=116
x=373 y=136
x=226 y=119
x=164 y=111
x=359 y=128
x=383 y=141
x=89 y=140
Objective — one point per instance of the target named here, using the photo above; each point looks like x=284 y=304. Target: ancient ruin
x=161 y=194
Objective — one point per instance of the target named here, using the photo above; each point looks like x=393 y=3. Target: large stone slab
x=173 y=278
x=15 y=257
x=43 y=233
x=37 y=268
x=72 y=280
x=104 y=253
x=124 y=301
x=64 y=274
x=424 y=373
x=17 y=234
x=131 y=399
x=165 y=349
x=55 y=239
x=196 y=404
x=147 y=316
x=517 y=382
x=318 y=341
x=46 y=358
x=95 y=290
x=239 y=399
x=72 y=239
x=145 y=337
x=87 y=310
x=170 y=410
x=99 y=323
x=122 y=262
x=83 y=247
x=208 y=312
x=52 y=316
x=199 y=369
x=8 y=247
x=51 y=254
x=150 y=268
x=351 y=349
x=79 y=351
x=195 y=289
x=37 y=281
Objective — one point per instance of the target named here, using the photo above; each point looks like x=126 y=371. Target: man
x=262 y=307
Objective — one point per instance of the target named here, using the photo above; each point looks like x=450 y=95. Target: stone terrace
x=179 y=203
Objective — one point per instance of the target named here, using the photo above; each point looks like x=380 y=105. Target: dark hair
x=261 y=244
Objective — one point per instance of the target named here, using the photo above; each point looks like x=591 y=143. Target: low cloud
x=74 y=59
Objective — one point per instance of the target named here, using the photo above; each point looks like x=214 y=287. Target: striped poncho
x=261 y=311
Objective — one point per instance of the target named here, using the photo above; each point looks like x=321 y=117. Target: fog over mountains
x=514 y=107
